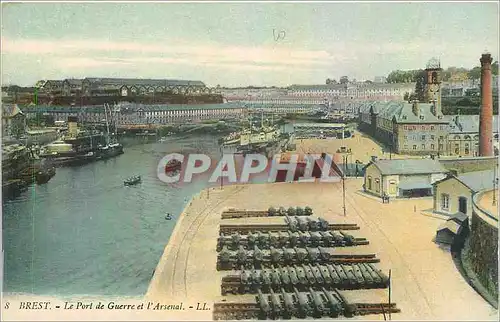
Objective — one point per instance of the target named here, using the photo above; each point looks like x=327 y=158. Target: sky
x=240 y=44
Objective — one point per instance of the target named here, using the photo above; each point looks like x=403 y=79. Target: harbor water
x=85 y=233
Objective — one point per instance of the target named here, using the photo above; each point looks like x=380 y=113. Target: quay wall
x=481 y=253
x=462 y=165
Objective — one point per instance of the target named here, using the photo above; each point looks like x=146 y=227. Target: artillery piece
x=276 y=256
x=313 y=254
x=301 y=275
x=283 y=238
x=313 y=224
x=304 y=308
x=258 y=256
x=315 y=238
x=293 y=275
x=292 y=223
x=275 y=277
x=289 y=255
x=263 y=239
x=326 y=238
x=242 y=256
x=277 y=308
x=263 y=304
x=308 y=211
x=273 y=239
x=245 y=277
x=266 y=278
x=305 y=238
x=301 y=255
x=294 y=238
x=283 y=274
x=325 y=274
x=333 y=273
x=302 y=223
x=333 y=303
x=324 y=254
x=309 y=275
x=282 y=211
x=289 y=305
x=317 y=274
x=319 y=308
x=291 y=211
x=256 y=277
x=251 y=239
x=323 y=224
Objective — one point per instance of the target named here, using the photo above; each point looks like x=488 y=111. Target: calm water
x=85 y=233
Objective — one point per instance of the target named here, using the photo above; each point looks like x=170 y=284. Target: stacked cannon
x=293 y=268
x=265 y=240
x=271 y=212
x=338 y=276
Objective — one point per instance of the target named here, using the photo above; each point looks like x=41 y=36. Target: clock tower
x=432 y=89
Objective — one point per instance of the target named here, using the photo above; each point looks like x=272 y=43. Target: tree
x=328 y=81
x=420 y=85
x=475 y=73
x=494 y=68
x=344 y=80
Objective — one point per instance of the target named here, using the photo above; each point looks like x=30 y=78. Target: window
x=432 y=146
x=406 y=137
x=423 y=146
x=377 y=185
x=445 y=201
x=423 y=137
x=440 y=147
x=441 y=137
x=414 y=147
x=369 y=183
x=432 y=137
x=457 y=148
x=432 y=127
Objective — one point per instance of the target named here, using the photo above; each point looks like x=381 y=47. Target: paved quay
x=426 y=285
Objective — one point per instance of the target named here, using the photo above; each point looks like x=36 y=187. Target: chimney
x=486 y=114
x=414 y=107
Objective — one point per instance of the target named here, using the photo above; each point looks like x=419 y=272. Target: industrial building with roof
x=453 y=194
x=420 y=128
x=93 y=86
x=402 y=177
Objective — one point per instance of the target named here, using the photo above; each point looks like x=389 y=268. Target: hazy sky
x=232 y=44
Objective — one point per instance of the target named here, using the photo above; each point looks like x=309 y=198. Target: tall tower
x=486 y=115
x=432 y=89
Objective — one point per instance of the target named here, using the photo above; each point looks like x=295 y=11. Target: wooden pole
x=390 y=282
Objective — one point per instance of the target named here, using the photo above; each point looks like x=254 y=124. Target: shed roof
x=450 y=225
x=144 y=82
x=459 y=216
x=408 y=166
x=478 y=180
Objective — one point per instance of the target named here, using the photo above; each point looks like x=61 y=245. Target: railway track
x=242 y=229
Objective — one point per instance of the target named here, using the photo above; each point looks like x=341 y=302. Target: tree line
x=411 y=76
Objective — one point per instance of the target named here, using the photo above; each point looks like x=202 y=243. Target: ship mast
x=107 y=123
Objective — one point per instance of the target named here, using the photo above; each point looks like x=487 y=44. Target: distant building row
x=121 y=87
